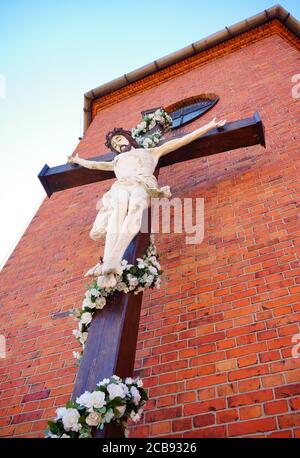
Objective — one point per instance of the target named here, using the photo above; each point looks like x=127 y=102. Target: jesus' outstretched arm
x=176 y=143
x=98 y=165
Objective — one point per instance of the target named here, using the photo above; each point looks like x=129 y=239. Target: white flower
x=133 y=281
x=100 y=302
x=108 y=416
x=136 y=395
x=139 y=382
x=149 y=280
x=93 y=305
x=88 y=294
x=157 y=283
x=147 y=142
x=121 y=286
x=85 y=400
x=87 y=303
x=152 y=270
x=65 y=436
x=141 y=263
x=76 y=354
x=95 y=292
x=86 y=318
x=134 y=416
x=98 y=399
x=70 y=420
x=116 y=377
x=52 y=436
x=93 y=419
x=129 y=381
x=125 y=388
x=60 y=413
x=76 y=333
x=105 y=381
x=115 y=391
x=120 y=410
x=83 y=337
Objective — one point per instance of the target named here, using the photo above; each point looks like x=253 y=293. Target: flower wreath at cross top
x=161 y=119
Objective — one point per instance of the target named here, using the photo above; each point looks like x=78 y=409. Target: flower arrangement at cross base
x=134 y=278
x=161 y=118
x=113 y=400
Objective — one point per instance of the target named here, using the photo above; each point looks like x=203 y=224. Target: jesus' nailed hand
x=120 y=217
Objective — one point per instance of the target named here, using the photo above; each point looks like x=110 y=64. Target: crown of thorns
x=119 y=131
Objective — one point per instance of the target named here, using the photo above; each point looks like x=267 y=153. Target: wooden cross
x=111 y=344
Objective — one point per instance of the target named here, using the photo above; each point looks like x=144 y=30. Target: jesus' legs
x=138 y=202
x=119 y=198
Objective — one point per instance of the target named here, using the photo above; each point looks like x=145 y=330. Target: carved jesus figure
x=120 y=217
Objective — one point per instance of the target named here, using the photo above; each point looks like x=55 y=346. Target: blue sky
x=51 y=52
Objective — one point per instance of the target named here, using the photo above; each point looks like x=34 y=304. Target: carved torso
x=136 y=162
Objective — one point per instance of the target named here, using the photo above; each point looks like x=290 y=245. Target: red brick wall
x=215 y=342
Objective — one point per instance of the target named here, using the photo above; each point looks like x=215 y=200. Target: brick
x=203 y=420
x=295 y=403
x=25 y=417
x=287 y=390
x=272 y=380
x=275 y=407
x=163 y=414
x=250 y=385
x=252 y=426
x=210 y=432
x=247 y=350
x=35 y=396
x=183 y=424
x=247 y=361
x=248 y=372
x=249 y=412
x=160 y=428
x=250 y=398
x=206 y=406
x=227 y=416
x=288 y=421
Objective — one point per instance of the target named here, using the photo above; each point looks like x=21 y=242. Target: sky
x=53 y=51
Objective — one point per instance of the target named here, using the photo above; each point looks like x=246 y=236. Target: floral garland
x=113 y=400
x=146 y=274
x=149 y=121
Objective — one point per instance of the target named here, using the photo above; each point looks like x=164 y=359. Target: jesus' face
x=120 y=143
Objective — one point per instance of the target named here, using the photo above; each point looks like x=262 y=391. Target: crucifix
x=111 y=344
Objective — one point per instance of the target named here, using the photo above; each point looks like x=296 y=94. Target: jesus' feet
x=107 y=281
x=112 y=265
x=95 y=271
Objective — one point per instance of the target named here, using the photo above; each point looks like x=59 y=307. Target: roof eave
x=275 y=12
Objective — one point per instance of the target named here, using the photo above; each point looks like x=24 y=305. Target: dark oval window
x=187 y=110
